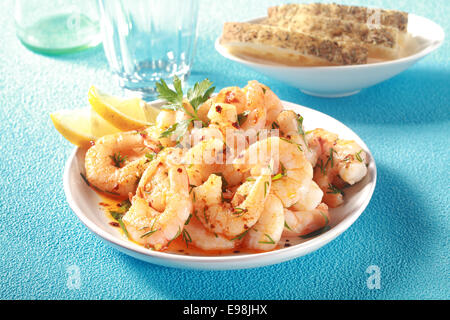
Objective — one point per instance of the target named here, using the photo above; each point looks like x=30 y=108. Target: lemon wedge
x=74 y=125
x=100 y=127
x=124 y=114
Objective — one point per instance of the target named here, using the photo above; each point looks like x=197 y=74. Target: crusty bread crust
x=288 y=47
x=389 y=18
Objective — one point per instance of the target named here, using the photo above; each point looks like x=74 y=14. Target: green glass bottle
x=57 y=26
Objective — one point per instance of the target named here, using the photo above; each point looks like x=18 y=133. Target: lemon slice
x=74 y=125
x=124 y=114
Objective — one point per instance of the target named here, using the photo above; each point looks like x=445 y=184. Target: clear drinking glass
x=57 y=26
x=148 y=40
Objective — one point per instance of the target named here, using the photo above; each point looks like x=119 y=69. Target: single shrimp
x=256 y=118
x=299 y=223
x=115 y=162
x=203 y=159
x=231 y=219
x=309 y=200
x=353 y=159
x=233 y=95
x=340 y=162
x=266 y=233
x=205 y=239
x=273 y=105
x=291 y=127
x=293 y=173
x=224 y=117
x=168 y=118
x=162 y=204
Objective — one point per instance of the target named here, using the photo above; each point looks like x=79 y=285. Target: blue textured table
x=404 y=231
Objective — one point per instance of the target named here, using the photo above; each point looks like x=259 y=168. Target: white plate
x=341 y=81
x=85 y=203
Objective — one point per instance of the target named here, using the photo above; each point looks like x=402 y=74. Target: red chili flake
x=230 y=97
x=236 y=251
x=218 y=108
x=236 y=125
x=115 y=224
x=180 y=170
x=103 y=204
x=92 y=143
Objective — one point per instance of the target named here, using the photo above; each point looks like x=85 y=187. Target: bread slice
x=275 y=44
x=382 y=43
x=388 y=18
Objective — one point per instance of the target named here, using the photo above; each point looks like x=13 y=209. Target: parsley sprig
x=175 y=98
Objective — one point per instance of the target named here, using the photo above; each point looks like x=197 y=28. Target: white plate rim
x=241 y=261
x=425 y=51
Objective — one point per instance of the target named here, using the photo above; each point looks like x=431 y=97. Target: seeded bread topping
x=389 y=18
x=338 y=30
x=332 y=52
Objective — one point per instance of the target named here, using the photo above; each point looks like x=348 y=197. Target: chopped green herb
x=239 y=211
x=188 y=219
x=118 y=159
x=178 y=129
x=271 y=241
x=334 y=190
x=176 y=236
x=358 y=156
x=281 y=174
x=240 y=236
x=331 y=156
x=148 y=233
x=266 y=185
x=242 y=117
x=275 y=125
x=319 y=231
x=95 y=188
x=204 y=215
x=250 y=179
x=290 y=141
x=287 y=226
x=300 y=129
x=124 y=229
x=186 y=237
x=150 y=156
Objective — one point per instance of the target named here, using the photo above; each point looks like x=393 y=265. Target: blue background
x=404 y=231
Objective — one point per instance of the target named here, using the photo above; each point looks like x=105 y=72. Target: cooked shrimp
x=338 y=157
x=256 y=118
x=266 y=233
x=353 y=159
x=116 y=162
x=272 y=104
x=291 y=128
x=293 y=172
x=207 y=240
x=203 y=109
x=203 y=159
x=309 y=200
x=162 y=203
x=233 y=95
x=223 y=116
x=298 y=223
x=235 y=218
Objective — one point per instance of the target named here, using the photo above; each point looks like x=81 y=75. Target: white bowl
x=85 y=203
x=341 y=81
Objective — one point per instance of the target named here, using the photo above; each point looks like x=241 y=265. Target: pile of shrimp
x=220 y=196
